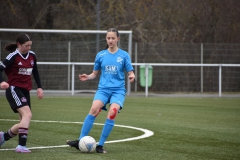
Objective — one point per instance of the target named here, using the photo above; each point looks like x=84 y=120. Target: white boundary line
x=147 y=133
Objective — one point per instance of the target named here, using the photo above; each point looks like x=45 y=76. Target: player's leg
x=116 y=101
x=88 y=122
x=108 y=126
x=12 y=132
x=19 y=100
x=90 y=118
x=26 y=116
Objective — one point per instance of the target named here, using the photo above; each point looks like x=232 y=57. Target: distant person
x=112 y=62
x=19 y=65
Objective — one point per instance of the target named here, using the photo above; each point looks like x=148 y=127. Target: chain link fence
x=165 y=79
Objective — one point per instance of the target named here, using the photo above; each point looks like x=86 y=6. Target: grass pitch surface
x=184 y=128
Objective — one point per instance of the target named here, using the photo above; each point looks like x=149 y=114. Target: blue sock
x=87 y=125
x=109 y=124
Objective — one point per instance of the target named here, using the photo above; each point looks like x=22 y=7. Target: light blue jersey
x=112 y=68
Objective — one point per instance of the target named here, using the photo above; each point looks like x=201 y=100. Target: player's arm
x=37 y=80
x=85 y=77
x=36 y=75
x=3 y=65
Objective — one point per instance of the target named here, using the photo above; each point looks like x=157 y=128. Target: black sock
x=22 y=135
x=8 y=135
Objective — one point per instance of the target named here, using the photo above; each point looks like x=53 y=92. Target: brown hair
x=112 y=30
x=21 y=38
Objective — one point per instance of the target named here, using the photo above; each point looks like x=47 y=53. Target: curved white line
x=147 y=133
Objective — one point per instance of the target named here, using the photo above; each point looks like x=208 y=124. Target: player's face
x=24 y=48
x=112 y=39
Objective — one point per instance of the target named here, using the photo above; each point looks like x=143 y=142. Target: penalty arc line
x=147 y=133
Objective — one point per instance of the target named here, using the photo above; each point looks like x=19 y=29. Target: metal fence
x=176 y=67
x=146 y=75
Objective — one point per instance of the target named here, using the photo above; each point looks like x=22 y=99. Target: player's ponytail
x=11 y=47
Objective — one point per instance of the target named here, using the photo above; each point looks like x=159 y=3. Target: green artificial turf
x=184 y=128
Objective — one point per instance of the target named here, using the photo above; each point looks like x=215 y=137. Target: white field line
x=147 y=133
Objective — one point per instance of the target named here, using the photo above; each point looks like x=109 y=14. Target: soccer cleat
x=73 y=143
x=22 y=149
x=1 y=138
x=99 y=149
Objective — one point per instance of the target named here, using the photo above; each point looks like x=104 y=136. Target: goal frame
x=128 y=32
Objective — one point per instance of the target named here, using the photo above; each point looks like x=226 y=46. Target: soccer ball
x=87 y=144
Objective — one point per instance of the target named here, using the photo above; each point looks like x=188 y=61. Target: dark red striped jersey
x=19 y=68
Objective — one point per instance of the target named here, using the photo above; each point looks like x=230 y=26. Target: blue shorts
x=110 y=96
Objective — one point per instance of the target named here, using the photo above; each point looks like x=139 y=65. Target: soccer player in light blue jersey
x=113 y=62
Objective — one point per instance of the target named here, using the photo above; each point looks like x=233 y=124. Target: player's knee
x=25 y=112
x=113 y=113
x=98 y=112
x=27 y=117
x=95 y=112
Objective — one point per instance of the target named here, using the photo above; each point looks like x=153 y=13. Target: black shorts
x=17 y=98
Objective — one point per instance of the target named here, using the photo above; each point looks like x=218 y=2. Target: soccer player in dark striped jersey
x=19 y=65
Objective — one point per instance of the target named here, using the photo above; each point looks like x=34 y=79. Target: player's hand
x=4 y=85
x=83 y=77
x=131 y=78
x=39 y=93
